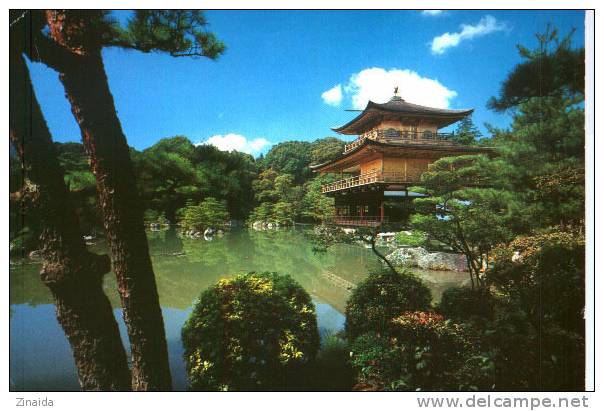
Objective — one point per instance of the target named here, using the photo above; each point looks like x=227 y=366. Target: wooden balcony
x=400 y=136
x=373 y=177
x=358 y=221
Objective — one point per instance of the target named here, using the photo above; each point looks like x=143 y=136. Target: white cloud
x=377 y=84
x=432 y=12
x=486 y=25
x=232 y=141
x=333 y=96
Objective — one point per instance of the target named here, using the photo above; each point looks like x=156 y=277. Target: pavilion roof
x=371 y=149
x=374 y=113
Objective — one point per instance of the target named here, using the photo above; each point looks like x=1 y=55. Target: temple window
x=392 y=133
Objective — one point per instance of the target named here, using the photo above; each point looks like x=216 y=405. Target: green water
x=40 y=357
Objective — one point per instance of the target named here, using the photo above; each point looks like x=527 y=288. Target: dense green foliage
x=178 y=32
x=290 y=157
x=539 y=318
x=542 y=154
x=250 y=333
x=420 y=352
x=462 y=303
x=414 y=238
x=533 y=336
x=544 y=275
x=286 y=190
x=332 y=369
x=467 y=133
x=81 y=184
x=464 y=210
x=210 y=213
x=381 y=297
x=518 y=217
x=174 y=171
x=537 y=178
x=23 y=226
x=558 y=67
x=295 y=157
x=21 y=237
x=275 y=195
x=174 y=174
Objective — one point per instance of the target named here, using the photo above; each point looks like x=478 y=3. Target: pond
x=40 y=356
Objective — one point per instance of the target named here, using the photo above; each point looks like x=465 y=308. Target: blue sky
x=289 y=75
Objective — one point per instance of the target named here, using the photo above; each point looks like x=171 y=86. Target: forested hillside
x=175 y=174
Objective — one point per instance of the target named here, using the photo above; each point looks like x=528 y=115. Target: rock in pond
x=420 y=257
x=407 y=256
x=443 y=262
x=35 y=255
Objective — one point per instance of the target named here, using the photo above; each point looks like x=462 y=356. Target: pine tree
x=73 y=48
x=467 y=133
x=72 y=273
x=465 y=209
x=543 y=152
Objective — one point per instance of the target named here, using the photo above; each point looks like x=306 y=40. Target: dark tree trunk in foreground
x=73 y=275
x=85 y=82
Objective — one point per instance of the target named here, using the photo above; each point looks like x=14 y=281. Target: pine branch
x=55 y=56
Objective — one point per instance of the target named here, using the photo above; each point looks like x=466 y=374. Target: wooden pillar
x=382 y=211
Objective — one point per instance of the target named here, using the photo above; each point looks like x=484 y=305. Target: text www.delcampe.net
x=486 y=401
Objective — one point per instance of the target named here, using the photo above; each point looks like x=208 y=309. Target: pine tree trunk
x=92 y=105
x=73 y=275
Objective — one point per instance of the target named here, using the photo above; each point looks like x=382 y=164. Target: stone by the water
x=420 y=257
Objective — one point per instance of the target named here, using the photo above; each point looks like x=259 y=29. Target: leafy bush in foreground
x=381 y=297
x=422 y=352
x=331 y=370
x=545 y=275
x=250 y=332
x=464 y=303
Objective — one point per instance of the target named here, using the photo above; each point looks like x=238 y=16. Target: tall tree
x=167 y=175
x=73 y=274
x=290 y=157
x=464 y=210
x=73 y=48
x=552 y=69
x=543 y=150
x=325 y=149
x=467 y=133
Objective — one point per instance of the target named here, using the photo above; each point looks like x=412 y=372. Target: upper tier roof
x=372 y=115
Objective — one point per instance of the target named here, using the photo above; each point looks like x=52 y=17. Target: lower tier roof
x=371 y=149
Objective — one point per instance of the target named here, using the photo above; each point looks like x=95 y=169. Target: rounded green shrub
x=381 y=297
x=423 y=352
x=464 y=303
x=252 y=332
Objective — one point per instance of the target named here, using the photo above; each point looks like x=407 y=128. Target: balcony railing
x=358 y=221
x=400 y=136
x=371 y=178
